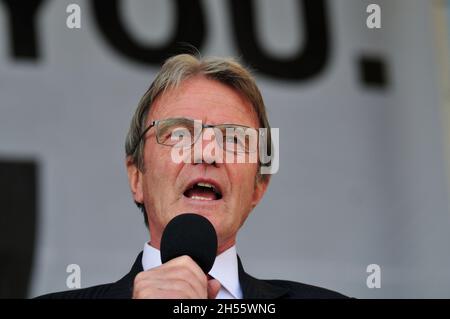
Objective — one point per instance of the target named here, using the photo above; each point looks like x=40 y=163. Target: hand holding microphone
x=188 y=251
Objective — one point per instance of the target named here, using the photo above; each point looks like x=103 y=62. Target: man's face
x=165 y=187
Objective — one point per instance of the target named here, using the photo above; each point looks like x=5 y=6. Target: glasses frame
x=155 y=123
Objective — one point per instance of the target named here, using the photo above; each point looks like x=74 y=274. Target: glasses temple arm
x=142 y=135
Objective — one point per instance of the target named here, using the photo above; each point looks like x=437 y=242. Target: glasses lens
x=176 y=131
x=181 y=132
x=239 y=139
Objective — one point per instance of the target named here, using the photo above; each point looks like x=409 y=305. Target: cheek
x=243 y=180
x=160 y=171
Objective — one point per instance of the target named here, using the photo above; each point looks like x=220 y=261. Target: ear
x=135 y=180
x=261 y=185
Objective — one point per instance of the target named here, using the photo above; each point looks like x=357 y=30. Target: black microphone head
x=192 y=235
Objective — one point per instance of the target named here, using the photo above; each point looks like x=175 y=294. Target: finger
x=164 y=287
x=181 y=288
x=152 y=293
x=213 y=288
x=186 y=261
x=183 y=269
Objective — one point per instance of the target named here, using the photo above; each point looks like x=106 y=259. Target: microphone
x=192 y=235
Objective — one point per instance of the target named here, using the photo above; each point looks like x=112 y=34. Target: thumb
x=213 y=288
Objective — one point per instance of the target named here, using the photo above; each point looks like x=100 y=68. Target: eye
x=235 y=140
x=232 y=139
x=178 y=131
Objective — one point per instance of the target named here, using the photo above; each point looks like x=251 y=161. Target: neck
x=220 y=249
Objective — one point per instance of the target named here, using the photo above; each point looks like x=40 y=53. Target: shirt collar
x=225 y=268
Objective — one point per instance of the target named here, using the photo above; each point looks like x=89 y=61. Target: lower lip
x=199 y=202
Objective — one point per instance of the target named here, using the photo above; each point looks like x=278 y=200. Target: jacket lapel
x=123 y=289
x=253 y=288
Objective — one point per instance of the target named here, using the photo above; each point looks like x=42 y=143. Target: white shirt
x=225 y=270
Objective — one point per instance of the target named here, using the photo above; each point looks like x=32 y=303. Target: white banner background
x=362 y=175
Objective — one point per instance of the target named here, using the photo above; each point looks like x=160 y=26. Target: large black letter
x=304 y=65
x=190 y=29
x=19 y=208
x=22 y=22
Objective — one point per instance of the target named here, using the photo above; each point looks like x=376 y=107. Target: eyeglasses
x=184 y=132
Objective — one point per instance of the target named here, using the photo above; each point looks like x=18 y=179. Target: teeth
x=200 y=198
x=205 y=185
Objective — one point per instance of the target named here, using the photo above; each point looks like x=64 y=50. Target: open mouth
x=203 y=191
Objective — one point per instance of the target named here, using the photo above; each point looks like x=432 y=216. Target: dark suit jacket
x=252 y=288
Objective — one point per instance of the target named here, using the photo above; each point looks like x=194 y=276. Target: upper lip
x=214 y=183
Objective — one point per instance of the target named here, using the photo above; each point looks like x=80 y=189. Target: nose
x=207 y=149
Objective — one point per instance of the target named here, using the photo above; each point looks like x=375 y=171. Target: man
x=221 y=95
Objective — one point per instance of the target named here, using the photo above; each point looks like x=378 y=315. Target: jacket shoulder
x=297 y=290
x=121 y=289
x=95 y=292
